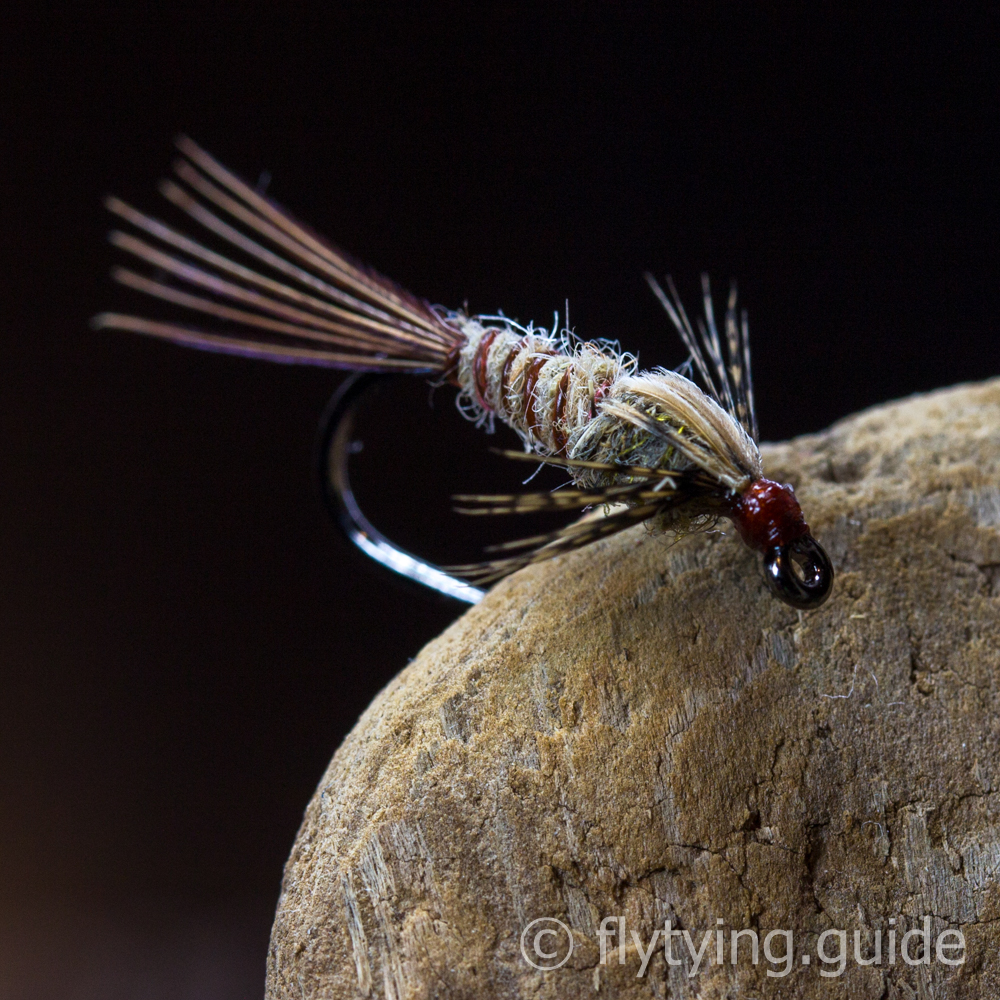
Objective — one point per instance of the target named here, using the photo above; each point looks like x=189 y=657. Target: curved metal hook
x=806 y=588
x=333 y=454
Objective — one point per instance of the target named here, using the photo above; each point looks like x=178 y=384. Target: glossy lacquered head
x=796 y=568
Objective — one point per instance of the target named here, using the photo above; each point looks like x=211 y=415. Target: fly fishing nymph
x=651 y=446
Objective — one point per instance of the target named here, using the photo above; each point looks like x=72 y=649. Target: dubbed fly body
x=653 y=446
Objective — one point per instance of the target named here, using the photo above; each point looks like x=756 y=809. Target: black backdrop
x=183 y=638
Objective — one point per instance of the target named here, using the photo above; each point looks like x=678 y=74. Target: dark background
x=184 y=640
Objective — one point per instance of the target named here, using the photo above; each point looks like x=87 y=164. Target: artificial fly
x=650 y=446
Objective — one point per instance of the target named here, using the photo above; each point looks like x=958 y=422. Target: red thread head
x=767 y=514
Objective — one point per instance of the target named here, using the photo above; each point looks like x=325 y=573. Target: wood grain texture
x=641 y=730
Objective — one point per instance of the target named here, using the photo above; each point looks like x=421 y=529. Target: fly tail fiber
x=278 y=291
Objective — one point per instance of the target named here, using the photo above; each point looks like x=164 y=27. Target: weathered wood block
x=639 y=730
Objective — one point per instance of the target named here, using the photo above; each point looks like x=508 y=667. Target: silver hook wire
x=334 y=451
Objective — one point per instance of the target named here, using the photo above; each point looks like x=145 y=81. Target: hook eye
x=799 y=573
